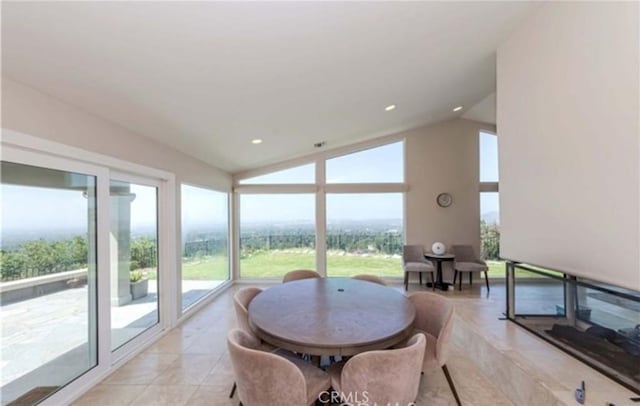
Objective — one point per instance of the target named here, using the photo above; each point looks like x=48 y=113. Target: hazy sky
x=26 y=207
x=31 y=207
x=203 y=208
x=488 y=158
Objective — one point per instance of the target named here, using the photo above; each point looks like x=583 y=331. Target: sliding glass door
x=134 y=260
x=48 y=279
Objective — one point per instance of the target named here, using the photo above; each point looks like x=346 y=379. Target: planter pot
x=139 y=289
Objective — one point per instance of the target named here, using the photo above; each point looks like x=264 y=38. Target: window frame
x=320 y=188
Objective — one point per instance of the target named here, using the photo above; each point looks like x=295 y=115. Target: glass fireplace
x=596 y=322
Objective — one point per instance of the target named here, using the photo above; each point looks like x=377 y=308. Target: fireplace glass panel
x=593 y=321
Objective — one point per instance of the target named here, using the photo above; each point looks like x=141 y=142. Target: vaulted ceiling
x=208 y=77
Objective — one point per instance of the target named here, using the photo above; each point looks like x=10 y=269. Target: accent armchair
x=466 y=261
x=413 y=261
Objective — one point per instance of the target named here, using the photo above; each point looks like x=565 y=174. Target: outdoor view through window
x=364 y=229
x=48 y=266
x=490 y=205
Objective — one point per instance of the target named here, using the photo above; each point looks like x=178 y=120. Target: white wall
x=443 y=158
x=567 y=115
x=31 y=112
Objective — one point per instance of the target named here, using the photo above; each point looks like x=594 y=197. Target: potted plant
x=139 y=284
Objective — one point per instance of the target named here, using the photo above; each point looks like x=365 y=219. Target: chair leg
x=455 y=276
x=470 y=278
x=420 y=273
x=433 y=282
x=451 y=385
x=486 y=279
x=406 y=281
x=460 y=281
x=233 y=390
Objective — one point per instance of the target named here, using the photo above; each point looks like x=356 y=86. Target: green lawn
x=275 y=263
x=206 y=268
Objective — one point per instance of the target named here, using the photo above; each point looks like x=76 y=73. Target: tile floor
x=190 y=366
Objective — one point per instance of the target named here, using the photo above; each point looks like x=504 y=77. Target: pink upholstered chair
x=466 y=261
x=370 y=278
x=300 y=274
x=269 y=379
x=434 y=318
x=389 y=377
x=413 y=261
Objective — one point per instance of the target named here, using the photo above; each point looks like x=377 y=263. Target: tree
x=490 y=240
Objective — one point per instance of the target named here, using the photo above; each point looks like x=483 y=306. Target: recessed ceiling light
x=256 y=141
x=457 y=108
x=390 y=107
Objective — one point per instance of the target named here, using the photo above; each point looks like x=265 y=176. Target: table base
x=440 y=285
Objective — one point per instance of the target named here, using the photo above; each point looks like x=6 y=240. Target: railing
x=50 y=258
x=385 y=243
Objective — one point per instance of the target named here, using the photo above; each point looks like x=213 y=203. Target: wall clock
x=444 y=200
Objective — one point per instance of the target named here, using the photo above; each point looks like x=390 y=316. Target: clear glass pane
x=299 y=174
x=48 y=267
x=490 y=233
x=488 y=157
x=205 y=245
x=277 y=234
x=364 y=234
x=134 y=260
x=537 y=294
x=377 y=165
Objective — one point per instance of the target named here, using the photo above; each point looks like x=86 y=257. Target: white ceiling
x=206 y=78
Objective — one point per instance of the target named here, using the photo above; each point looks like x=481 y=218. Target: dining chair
x=300 y=274
x=434 y=318
x=271 y=379
x=370 y=278
x=385 y=377
x=241 y=301
x=466 y=261
x=413 y=261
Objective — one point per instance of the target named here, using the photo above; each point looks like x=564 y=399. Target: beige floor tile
x=212 y=396
x=165 y=395
x=188 y=369
x=143 y=369
x=111 y=395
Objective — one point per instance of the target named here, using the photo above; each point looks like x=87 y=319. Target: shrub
x=135 y=276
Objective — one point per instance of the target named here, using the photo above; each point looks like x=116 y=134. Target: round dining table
x=331 y=316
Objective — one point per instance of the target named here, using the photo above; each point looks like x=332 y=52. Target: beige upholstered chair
x=269 y=379
x=434 y=318
x=370 y=278
x=300 y=274
x=241 y=301
x=389 y=377
x=413 y=261
x=466 y=261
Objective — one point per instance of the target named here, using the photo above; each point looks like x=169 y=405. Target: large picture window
x=205 y=245
x=277 y=234
x=358 y=221
x=364 y=238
